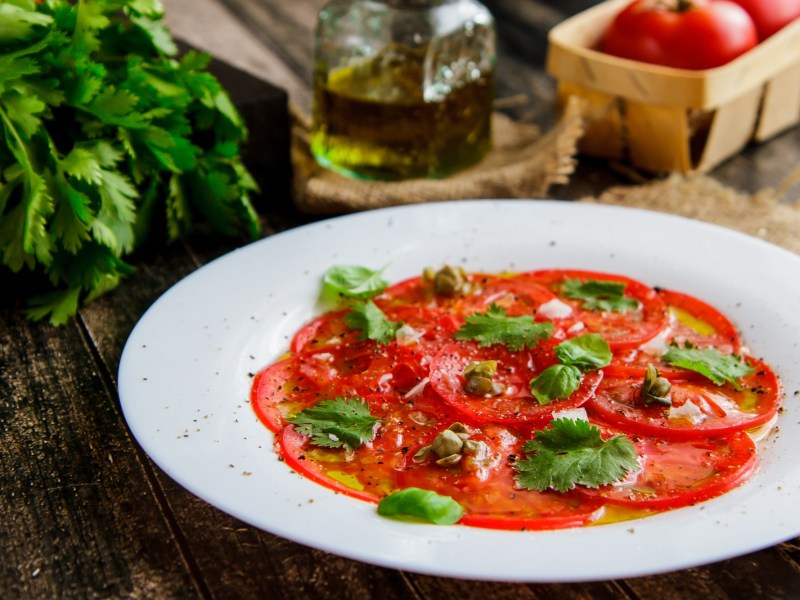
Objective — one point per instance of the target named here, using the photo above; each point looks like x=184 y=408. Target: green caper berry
x=655 y=389
x=486 y=368
x=449 y=281
x=446 y=443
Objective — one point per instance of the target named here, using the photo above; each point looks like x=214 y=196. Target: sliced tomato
x=679 y=473
x=516 y=405
x=485 y=486
x=690 y=320
x=699 y=409
x=517 y=295
x=331 y=467
x=297 y=382
x=621 y=329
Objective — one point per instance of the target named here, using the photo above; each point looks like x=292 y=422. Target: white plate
x=186 y=370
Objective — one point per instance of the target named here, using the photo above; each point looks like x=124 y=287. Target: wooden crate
x=663 y=119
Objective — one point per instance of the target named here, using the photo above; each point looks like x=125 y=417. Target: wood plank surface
x=85 y=514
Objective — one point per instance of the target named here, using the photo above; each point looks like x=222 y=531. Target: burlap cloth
x=524 y=163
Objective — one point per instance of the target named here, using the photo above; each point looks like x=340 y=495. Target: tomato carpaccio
x=692 y=443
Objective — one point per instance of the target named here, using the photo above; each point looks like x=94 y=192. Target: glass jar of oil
x=402 y=88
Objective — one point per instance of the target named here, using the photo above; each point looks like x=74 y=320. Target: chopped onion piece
x=417 y=389
x=689 y=410
x=554 y=309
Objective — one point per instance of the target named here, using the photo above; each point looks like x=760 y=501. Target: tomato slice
x=330 y=467
x=516 y=405
x=690 y=320
x=517 y=295
x=681 y=472
x=294 y=383
x=485 y=486
x=714 y=410
x=621 y=329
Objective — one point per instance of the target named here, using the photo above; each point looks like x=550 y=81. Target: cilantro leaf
x=588 y=351
x=599 y=295
x=372 y=322
x=417 y=504
x=338 y=423
x=555 y=382
x=571 y=452
x=709 y=362
x=496 y=327
x=100 y=129
x=353 y=282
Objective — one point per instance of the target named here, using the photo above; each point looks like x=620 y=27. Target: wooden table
x=85 y=514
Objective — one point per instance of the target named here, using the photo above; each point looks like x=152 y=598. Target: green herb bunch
x=103 y=130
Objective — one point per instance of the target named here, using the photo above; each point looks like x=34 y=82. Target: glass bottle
x=402 y=88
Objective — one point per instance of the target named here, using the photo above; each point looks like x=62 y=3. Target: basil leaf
x=588 y=351
x=709 y=362
x=353 y=282
x=556 y=381
x=414 y=503
x=599 y=295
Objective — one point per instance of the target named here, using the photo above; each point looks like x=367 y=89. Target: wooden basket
x=664 y=119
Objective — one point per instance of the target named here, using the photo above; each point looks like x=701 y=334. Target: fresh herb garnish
x=338 y=423
x=576 y=355
x=496 y=327
x=352 y=282
x=372 y=322
x=556 y=381
x=571 y=452
x=416 y=504
x=709 y=362
x=599 y=295
x=588 y=351
x=101 y=129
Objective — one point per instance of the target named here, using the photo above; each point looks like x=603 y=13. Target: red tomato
x=680 y=473
x=724 y=409
x=624 y=329
x=685 y=34
x=516 y=405
x=770 y=16
x=486 y=489
x=691 y=320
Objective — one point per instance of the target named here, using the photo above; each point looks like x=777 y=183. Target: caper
x=483 y=386
x=449 y=461
x=655 y=389
x=486 y=368
x=477 y=448
x=460 y=430
x=446 y=443
x=447 y=281
x=421 y=454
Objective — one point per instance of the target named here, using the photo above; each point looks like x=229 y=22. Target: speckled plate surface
x=186 y=370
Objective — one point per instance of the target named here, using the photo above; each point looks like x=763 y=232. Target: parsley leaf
x=496 y=327
x=100 y=130
x=571 y=452
x=709 y=362
x=338 y=423
x=372 y=322
x=418 y=504
x=353 y=282
x=599 y=295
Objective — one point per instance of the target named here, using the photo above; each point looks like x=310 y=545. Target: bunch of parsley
x=100 y=128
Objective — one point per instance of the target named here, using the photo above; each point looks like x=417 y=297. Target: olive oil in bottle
x=416 y=102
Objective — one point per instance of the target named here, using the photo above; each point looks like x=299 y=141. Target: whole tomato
x=770 y=15
x=685 y=34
